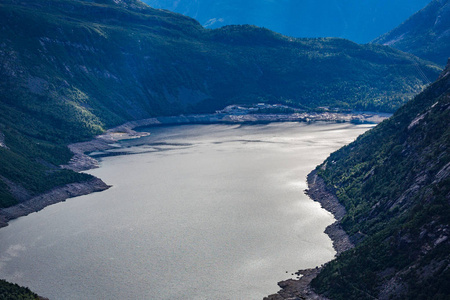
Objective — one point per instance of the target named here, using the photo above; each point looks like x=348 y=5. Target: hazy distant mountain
x=357 y=20
x=426 y=34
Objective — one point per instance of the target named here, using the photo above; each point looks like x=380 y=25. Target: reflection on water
x=195 y=212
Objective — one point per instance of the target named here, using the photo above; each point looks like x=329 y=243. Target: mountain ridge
x=354 y=20
x=425 y=34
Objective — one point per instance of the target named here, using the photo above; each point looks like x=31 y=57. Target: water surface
x=195 y=212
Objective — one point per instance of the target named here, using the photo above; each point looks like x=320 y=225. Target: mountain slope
x=359 y=21
x=426 y=34
x=13 y=291
x=72 y=68
x=394 y=182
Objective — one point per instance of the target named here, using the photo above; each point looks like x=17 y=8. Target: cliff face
x=72 y=68
x=394 y=182
x=426 y=34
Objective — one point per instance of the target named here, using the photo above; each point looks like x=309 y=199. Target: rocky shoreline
x=293 y=289
x=81 y=161
x=51 y=197
x=318 y=191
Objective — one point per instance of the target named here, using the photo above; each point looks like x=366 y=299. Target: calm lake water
x=195 y=212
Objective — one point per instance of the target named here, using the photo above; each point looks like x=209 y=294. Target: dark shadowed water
x=196 y=212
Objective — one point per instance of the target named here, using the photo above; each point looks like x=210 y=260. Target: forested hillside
x=10 y=291
x=394 y=182
x=72 y=68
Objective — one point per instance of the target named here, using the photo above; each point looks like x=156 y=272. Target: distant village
x=266 y=108
x=236 y=109
x=264 y=112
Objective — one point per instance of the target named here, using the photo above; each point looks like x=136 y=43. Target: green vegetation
x=394 y=182
x=9 y=291
x=425 y=34
x=72 y=68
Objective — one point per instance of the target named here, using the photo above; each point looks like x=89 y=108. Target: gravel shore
x=300 y=289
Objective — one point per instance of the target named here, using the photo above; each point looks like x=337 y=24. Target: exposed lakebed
x=195 y=212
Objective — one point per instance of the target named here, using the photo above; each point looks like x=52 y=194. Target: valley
x=92 y=65
x=88 y=76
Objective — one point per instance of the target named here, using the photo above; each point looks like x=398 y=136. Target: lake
x=195 y=212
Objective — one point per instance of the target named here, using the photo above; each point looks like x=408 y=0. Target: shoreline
x=55 y=195
x=316 y=187
x=82 y=162
x=300 y=288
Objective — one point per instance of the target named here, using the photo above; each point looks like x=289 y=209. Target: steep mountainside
x=426 y=34
x=394 y=182
x=72 y=68
x=359 y=21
